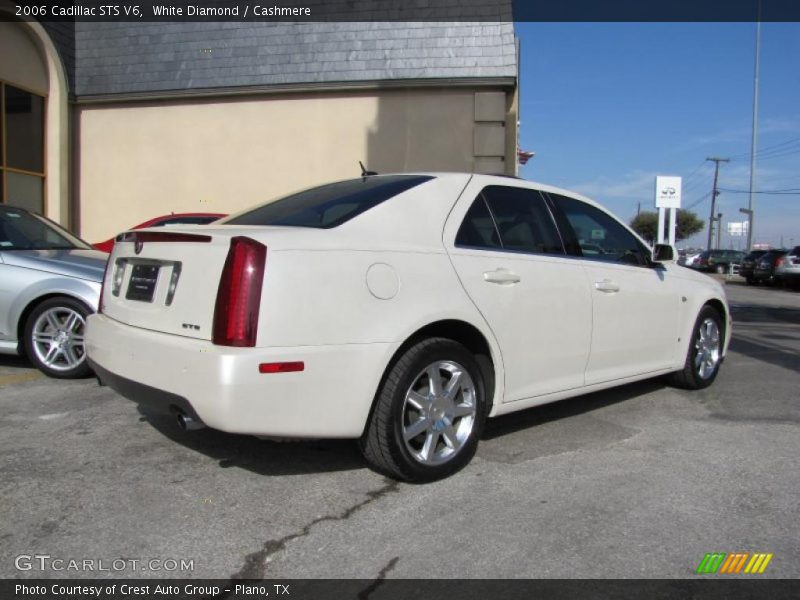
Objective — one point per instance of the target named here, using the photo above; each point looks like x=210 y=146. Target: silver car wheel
x=57 y=338
x=707 y=348
x=439 y=412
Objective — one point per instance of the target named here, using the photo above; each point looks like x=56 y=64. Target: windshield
x=329 y=205
x=21 y=230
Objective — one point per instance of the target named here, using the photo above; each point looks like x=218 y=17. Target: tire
x=53 y=338
x=751 y=281
x=720 y=269
x=708 y=337
x=410 y=438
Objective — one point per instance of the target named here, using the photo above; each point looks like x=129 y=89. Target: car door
x=509 y=257
x=635 y=305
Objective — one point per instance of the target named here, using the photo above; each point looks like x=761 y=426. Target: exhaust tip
x=187 y=423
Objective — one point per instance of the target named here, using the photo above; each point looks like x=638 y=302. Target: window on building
x=21 y=148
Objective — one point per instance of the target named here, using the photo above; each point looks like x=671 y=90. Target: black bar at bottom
x=705 y=586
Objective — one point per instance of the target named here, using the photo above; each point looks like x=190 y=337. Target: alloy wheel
x=58 y=340
x=439 y=412
x=707 y=348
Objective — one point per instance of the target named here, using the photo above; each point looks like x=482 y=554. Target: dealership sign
x=668 y=192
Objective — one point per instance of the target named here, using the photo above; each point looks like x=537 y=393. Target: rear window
x=329 y=205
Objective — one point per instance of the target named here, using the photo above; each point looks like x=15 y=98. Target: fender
x=83 y=290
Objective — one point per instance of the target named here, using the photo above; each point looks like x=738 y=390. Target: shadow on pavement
x=9 y=361
x=757 y=343
x=260 y=456
x=271 y=458
x=563 y=409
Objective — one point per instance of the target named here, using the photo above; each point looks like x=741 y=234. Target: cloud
x=742 y=133
x=637 y=185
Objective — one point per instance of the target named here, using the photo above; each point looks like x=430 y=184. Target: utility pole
x=719 y=230
x=750 y=203
x=714 y=194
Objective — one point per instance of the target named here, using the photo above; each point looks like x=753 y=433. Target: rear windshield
x=329 y=205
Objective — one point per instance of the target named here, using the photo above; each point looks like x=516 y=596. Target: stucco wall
x=28 y=69
x=139 y=161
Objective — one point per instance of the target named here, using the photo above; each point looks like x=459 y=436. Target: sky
x=608 y=106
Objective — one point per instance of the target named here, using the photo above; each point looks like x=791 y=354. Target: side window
x=508 y=218
x=600 y=236
x=478 y=230
x=523 y=220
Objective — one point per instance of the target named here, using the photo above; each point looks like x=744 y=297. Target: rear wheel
x=705 y=352
x=53 y=338
x=429 y=413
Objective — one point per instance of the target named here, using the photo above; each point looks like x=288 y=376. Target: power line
x=767 y=150
x=789 y=192
x=698 y=201
x=786 y=151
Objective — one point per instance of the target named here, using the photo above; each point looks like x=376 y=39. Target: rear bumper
x=793 y=275
x=222 y=386
x=155 y=400
x=762 y=275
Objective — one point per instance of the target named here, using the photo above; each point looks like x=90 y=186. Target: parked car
x=686 y=258
x=766 y=265
x=788 y=270
x=718 y=261
x=400 y=310
x=165 y=220
x=749 y=265
x=49 y=283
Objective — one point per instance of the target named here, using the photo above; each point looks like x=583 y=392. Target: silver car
x=787 y=270
x=49 y=282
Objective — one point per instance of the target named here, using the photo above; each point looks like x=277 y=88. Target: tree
x=646 y=225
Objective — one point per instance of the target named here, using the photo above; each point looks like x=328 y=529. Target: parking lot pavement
x=641 y=481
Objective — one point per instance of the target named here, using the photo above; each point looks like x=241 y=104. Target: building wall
x=28 y=69
x=139 y=160
x=30 y=61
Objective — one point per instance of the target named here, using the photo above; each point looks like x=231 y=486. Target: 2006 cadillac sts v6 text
x=402 y=310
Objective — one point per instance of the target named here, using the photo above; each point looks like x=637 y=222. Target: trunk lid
x=167 y=281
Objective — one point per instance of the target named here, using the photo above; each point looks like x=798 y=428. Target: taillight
x=778 y=262
x=239 y=294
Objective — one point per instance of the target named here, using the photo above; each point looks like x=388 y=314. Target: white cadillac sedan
x=399 y=310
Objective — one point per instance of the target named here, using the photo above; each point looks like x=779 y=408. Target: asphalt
x=640 y=481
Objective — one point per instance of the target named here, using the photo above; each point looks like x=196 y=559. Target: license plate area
x=142 y=282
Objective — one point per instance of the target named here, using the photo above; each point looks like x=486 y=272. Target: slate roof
x=134 y=58
x=63 y=36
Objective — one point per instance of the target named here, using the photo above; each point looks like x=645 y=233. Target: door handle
x=502 y=277
x=606 y=286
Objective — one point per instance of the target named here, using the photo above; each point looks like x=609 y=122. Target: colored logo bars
x=720 y=562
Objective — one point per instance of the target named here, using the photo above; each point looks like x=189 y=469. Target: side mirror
x=664 y=253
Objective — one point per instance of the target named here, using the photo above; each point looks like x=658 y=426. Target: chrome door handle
x=606 y=286
x=502 y=277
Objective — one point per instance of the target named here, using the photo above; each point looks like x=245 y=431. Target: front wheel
x=53 y=338
x=429 y=413
x=720 y=269
x=705 y=352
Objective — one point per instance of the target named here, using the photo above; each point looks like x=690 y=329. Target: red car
x=173 y=219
